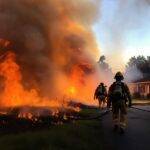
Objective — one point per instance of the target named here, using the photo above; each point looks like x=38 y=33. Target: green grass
x=89 y=112
x=80 y=135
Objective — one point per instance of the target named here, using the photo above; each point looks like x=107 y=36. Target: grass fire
x=27 y=107
x=46 y=62
x=47 y=56
x=72 y=75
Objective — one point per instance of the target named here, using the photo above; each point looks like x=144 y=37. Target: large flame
x=13 y=93
x=53 y=53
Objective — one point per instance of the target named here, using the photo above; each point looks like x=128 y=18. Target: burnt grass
x=72 y=134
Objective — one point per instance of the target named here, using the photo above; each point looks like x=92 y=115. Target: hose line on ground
x=140 y=109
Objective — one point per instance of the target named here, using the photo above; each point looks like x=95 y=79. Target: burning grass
x=75 y=135
x=18 y=119
x=25 y=109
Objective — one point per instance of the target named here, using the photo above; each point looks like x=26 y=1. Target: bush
x=148 y=96
x=136 y=95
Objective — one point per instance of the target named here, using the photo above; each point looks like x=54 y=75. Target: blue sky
x=123 y=30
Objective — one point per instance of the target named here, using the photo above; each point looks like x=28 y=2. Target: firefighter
x=100 y=94
x=118 y=96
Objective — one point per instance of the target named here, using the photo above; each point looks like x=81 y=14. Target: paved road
x=137 y=135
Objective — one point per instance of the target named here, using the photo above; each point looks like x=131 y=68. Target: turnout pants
x=101 y=100
x=119 y=113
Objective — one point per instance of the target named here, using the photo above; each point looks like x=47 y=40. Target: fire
x=14 y=94
x=72 y=90
x=4 y=43
x=52 y=56
x=25 y=115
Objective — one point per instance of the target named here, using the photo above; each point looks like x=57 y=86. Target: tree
x=137 y=67
x=106 y=74
x=102 y=64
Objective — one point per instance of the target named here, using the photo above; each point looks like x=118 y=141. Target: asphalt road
x=137 y=135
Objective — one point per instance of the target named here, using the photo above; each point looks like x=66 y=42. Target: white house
x=141 y=86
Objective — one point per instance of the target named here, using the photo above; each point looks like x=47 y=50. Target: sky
x=123 y=30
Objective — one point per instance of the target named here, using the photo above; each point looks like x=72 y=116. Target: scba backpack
x=118 y=92
x=100 y=90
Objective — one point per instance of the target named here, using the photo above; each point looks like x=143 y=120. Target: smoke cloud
x=132 y=74
x=51 y=39
x=128 y=15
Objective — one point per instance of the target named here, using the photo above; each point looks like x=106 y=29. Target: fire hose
x=106 y=112
x=140 y=109
x=95 y=117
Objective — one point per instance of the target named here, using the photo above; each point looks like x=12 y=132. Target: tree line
x=135 y=69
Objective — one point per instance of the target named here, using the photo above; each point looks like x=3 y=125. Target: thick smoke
x=106 y=75
x=49 y=38
x=132 y=74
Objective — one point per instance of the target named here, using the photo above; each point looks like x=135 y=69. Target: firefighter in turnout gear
x=101 y=94
x=118 y=96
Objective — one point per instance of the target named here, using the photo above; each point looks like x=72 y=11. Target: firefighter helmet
x=119 y=76
x=101 y=84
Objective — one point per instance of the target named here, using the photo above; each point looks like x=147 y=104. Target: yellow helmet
x=119 y=75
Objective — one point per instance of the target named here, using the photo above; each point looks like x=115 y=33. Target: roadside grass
x=78 y=135
x=89 y=112
x=141 y=101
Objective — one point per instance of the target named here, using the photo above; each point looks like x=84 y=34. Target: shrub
x=148 y=96
x=136 y=95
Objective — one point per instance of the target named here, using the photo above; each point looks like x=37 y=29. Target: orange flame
x=14 y=93
x=72 y=90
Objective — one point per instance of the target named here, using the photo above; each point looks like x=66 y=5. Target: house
x=142 y=87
